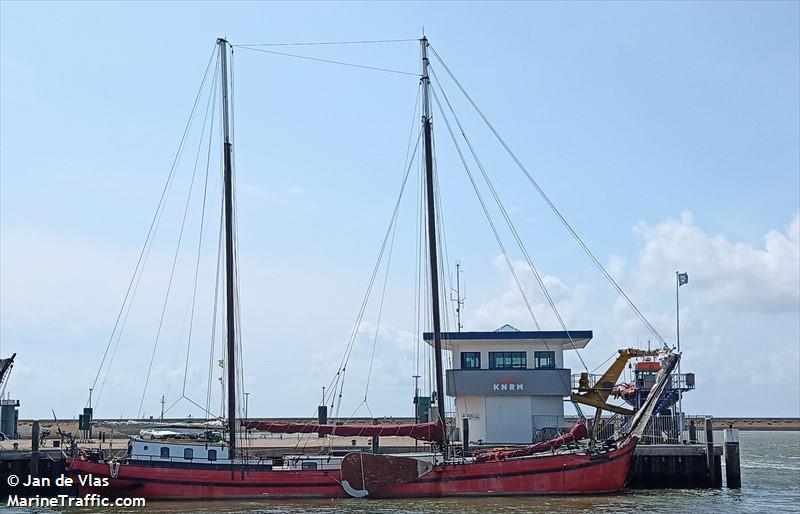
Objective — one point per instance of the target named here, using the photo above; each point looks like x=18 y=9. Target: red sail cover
x=422 y=431
x=577 y=433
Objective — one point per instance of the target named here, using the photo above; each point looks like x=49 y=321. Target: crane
x=596 y=395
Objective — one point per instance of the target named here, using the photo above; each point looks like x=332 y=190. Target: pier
x=695 y=465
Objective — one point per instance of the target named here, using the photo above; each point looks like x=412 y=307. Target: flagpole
x=678 y=338
x=678 y=313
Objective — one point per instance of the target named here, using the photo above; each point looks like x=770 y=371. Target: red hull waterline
x=549 y=474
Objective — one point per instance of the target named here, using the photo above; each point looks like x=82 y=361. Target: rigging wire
x=488 y=216
x=510 y=224
x=426 y=313
x=418 y=272
x=380 y=313
x=446 y=283
x=603 y=363
x=406 y=163
x=340 y=375
x=214 y=317
x=169 y=287
x=154 y=223
x=314 y=43
x=212 y=107
x=241 y=386
x=329 y=61
x=336 y=383
x=217 y=281
x=564 y=380
x=552 y=206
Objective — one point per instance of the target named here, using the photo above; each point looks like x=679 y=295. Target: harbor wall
x=675 y=467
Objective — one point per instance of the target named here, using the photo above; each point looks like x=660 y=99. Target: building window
x=165 y=452
x=212 y=455
x=508 y=360
x=470 y=360
x=544 y=360
x=188 y=453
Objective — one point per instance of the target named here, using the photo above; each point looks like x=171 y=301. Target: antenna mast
x=458 y=299
x=434 y=263
x=230 y=265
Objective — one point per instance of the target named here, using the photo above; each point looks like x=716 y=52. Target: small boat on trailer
x=206 y=468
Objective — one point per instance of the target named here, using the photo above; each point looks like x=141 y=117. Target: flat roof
x=580 y=338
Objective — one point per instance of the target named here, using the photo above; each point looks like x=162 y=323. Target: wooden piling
x=733 y=472
x=465 y=436
x=375 y=440
x=35 y=449
x=710 y=469
x=322 y=417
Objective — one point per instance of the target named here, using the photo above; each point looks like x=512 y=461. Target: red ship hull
x=550 y=474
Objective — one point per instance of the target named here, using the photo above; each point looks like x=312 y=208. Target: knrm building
x=510 y=384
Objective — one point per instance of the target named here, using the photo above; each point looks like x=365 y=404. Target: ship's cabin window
x=308 y=465
x=212 y=455
x=544 y=360
x=508 y=360
x=165 y=452
x=470 y=360
x=188 y=453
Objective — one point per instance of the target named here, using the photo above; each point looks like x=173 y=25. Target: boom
x=597 y=395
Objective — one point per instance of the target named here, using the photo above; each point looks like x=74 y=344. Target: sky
x=667 y=134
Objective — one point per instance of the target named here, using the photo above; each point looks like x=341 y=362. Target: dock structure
x=693 y=465
x=52 y=463
x=674 y=466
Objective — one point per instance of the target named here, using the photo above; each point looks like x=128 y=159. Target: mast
x=230 y=266
x=431 y=214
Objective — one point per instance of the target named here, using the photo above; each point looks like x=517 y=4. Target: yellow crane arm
x=597 y=395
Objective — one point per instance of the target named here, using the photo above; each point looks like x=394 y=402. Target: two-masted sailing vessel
x=212 y=468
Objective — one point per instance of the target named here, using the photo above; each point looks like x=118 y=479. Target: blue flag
x=683 y=278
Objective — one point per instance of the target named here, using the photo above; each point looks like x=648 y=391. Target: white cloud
x=510 y=307
x=725 y=276
x=616 y=267
x=740 y=312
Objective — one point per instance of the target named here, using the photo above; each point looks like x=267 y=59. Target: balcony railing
x=684 y=381
x=674 y=429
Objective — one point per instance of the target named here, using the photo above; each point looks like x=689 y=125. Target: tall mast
x=230 y=266
x=431 y=213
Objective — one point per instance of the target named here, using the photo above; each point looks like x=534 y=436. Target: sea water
x=770 y=483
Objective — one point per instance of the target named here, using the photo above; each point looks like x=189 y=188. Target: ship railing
x=672 y=429
x=685 y=381
x=593 y=379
